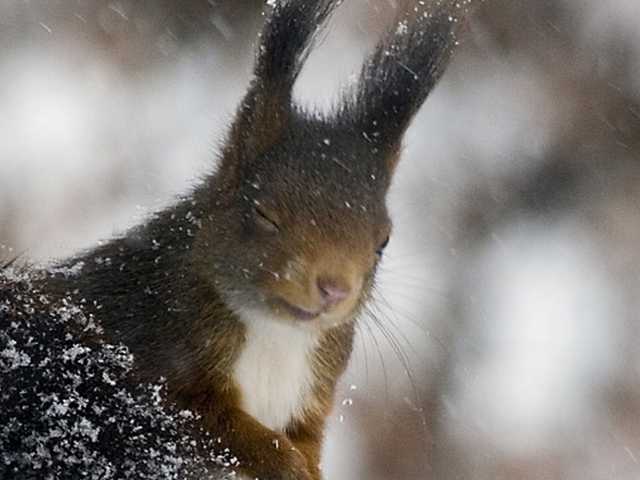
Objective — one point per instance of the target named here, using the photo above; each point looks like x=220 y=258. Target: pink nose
x=332 y=292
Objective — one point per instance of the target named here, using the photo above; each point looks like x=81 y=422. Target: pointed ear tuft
x=285 y=43
x=405 y=66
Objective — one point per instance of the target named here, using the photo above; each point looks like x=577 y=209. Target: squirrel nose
x=332 y=292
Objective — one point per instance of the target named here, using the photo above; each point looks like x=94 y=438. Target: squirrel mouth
x=298 y=312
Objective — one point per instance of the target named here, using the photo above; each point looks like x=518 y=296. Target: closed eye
x=266 y=220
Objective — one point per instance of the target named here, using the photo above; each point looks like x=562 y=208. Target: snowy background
x=509 y=296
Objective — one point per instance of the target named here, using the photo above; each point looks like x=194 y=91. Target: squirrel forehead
x=320 y=189
x=321 y=172
x=318 y=147
x=316 y=168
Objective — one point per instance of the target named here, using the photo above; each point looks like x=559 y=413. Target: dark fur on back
x=72 y=406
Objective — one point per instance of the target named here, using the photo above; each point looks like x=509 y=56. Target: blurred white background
x=510 y=341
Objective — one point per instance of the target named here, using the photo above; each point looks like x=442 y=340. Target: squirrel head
x=296 y=220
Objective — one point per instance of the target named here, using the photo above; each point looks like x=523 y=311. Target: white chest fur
x=274 y=370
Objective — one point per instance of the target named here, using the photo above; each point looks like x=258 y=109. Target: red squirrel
x=244 y=295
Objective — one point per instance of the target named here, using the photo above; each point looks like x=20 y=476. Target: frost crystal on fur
x=70 y=406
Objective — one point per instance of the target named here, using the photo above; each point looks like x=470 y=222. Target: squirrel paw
x=284 y=463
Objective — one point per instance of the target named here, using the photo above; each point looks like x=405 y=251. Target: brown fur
x=296 y=210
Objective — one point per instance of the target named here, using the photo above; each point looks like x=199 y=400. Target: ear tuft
x=285 y=43
x=405 y=66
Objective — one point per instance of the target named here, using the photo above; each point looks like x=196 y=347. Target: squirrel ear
x=405 y=66
x=285 y=43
